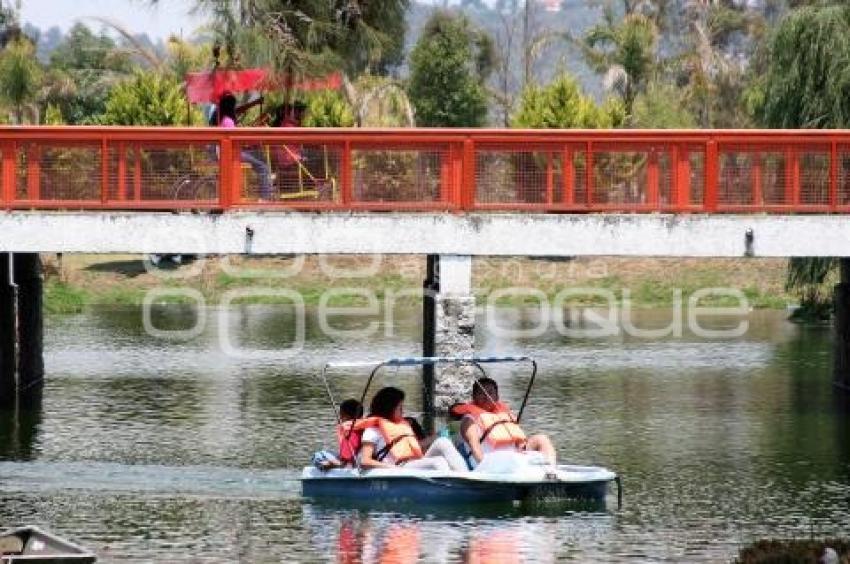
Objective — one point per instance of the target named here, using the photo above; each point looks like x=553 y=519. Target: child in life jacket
x=349 y=439
x=487 y=425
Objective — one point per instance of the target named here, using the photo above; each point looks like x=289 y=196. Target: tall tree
x=806 y=82
x=625 y=51
x=83 y=69
x=308 y=35
x=448 y=68
x=806 y=85
x=21 y=78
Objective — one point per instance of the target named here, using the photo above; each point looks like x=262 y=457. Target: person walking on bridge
x=226 y=117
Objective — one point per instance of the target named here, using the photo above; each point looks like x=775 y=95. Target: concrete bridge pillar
x=841 y=357
x=28 y=278
x=21 y=330
x=448 y=329
x=8 y=334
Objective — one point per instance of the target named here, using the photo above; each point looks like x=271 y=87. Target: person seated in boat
x=389 y=441
x=487 y=425
x=349 y=440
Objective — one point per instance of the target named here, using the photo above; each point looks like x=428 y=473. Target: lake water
x=147 y=449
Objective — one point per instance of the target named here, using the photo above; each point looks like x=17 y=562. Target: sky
x=169 y=17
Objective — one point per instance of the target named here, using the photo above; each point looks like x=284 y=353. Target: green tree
x=379 y=101
x=21 y=78
x=805 y=85
x=806 y=82
x=309 y=35
x=10 y=27
x=83 y=49
x=662 y=106
x=719 y=45
x=562 y=105
x=148 y=99
x=624 y=52
x=82 y=71
x=328 y=109
x=448 y=68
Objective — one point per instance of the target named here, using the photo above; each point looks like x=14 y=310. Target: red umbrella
x=208 y=86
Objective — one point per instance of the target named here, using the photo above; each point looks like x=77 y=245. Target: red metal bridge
x=458 y=170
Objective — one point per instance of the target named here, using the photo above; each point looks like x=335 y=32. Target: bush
x=149 y=99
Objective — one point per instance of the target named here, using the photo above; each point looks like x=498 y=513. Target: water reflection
x=19 y=431
x=370 y=537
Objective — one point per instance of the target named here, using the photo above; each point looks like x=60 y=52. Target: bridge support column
x=841 y=356
x=21 y=330
x=447 y=329
x=8 y=334
x=28 y=277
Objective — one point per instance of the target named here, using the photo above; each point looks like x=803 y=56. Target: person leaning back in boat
x=487 y=425
x=388 y=440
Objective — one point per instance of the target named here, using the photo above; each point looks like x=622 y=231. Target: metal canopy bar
x=421 y=360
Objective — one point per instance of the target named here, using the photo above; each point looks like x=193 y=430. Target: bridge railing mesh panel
x=53 y=172
x=297 y=172
x=186 y=173
x=632 y=177
x=409 y=175
x=814 y=177
x=536 y=175
x=773 y=176
x=843 y=176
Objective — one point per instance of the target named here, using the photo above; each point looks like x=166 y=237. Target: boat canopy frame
x=475 y=361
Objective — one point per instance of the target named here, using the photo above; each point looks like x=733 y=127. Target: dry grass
x=124 y=279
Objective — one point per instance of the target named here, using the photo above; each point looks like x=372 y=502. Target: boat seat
x=11 y=544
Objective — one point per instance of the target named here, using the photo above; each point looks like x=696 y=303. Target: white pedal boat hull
x=501 y=477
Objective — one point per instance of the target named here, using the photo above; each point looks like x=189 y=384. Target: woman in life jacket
x=389 y=441
x=487 y=425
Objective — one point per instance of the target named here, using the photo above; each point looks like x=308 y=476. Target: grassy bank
x=77 y=281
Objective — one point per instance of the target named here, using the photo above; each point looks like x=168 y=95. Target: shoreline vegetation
x=75 y=282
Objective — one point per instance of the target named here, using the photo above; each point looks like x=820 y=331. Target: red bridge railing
x=700 y=171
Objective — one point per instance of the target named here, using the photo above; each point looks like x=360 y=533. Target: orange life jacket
x=399 y=438
x=498 y=426
x=348 y=440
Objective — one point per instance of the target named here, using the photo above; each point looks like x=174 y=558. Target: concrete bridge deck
x=427 y=233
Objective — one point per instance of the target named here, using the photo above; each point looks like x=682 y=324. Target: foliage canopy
x=148 y=99
x=449 y=66
x=561 y=105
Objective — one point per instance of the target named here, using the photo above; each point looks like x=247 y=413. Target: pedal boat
x=31 y=544
x=501 y=477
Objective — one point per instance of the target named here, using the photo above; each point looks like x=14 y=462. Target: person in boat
x=349 y=440
x=389 y=441
x=487 y=425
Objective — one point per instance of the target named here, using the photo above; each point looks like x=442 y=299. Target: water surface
x=154 y=450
